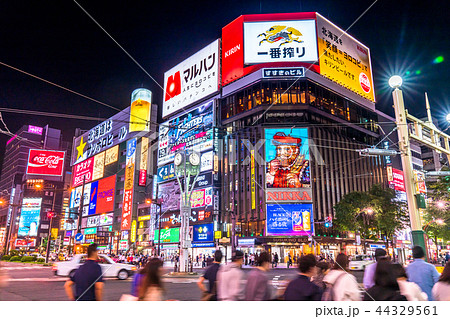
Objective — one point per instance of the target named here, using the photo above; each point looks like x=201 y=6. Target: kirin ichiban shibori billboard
x=287 y=165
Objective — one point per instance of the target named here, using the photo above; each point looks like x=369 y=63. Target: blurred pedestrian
x=258 y=287
x=230 y=277
x=322 y=269
x=386 y=287
x=210 y=274
x=369 y=272
x=422 y=273
x=410 y=290
x=441 y=290
x=302 y=288
x=276 y=259
x=151 y=288
x=137 y=281
x=341 y=285
x=87 y=279
x=289 y=263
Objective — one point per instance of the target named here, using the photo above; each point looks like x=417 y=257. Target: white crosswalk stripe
x=22 y=268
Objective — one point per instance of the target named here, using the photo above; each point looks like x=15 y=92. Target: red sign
x=25 y=243
x=83 y=170
x=126 y=209
x=142 y=177
x=399 y=180
x=43 y=162
x=105 y=196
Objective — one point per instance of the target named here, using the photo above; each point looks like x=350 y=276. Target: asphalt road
x=39 y=283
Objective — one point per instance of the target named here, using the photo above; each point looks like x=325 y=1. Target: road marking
x=22 y=268
x=57 y=279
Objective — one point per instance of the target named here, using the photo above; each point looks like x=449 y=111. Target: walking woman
x=441 y=289
x=151 y=288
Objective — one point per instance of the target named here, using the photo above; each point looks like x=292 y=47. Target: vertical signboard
x=252 y=182
x=133 y=231
x=99 y=166
x=127 y=207
x=93 y=199
x=344 y=60
x=143 y=162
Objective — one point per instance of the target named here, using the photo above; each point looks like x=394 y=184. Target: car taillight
x=55 y=267
x=133 y=268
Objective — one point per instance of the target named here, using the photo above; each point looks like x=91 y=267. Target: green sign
x=171 y=235
x=90 y=231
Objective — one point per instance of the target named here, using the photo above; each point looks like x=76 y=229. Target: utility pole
x=432 y=139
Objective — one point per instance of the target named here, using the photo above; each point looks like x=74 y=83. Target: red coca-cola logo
x=51 y=161
x=43 y=162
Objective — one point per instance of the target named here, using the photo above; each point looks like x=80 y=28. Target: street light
x=440 y=204
x=395 y=81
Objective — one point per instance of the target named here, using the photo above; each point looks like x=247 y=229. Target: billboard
x=171 y=235
x=280 y=41
x=99 y=166
x=35 y=129
x=105 y=195
x=140 y=110
x=43 y=162
x=29 y=217
x=398 y=180
x=102 y=137
x=202 y=197
x=169 y=193
x=93 y=198
x=192 y=79
x=83 y=171
x=289 y=220
x=172 y=136
x=166 y=173
x=106 y=219
x=111 y=155
x=127 y=206
x=287 y=165
x=344 y=60
x=203 y=233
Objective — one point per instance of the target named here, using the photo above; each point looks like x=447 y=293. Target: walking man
x=211 y=275
x=422 y=273
x=230 y=277
x=87 y=279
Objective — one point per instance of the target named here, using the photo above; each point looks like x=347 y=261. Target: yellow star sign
x=80 y=148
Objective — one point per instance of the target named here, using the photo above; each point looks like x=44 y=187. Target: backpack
x=328 y=294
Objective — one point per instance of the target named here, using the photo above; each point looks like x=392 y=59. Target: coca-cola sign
x=44 y=162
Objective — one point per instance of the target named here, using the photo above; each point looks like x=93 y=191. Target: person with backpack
x=210 y=274
x=302 y=288
x=341 y=285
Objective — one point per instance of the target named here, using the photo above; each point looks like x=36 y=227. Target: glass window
x=102 y=260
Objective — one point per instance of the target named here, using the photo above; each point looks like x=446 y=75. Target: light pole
x=186 y=168
x=50 y=214
x=417 y=233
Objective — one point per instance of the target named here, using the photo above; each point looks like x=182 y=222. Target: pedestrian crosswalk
x=21 y=267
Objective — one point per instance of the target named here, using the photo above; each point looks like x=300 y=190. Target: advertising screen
x=127 y=206
x=93 y=198
x=106 y=219
x=289 y=220
x=43 y=162
x=203 y=233
x=105 y=195
x=172 y=136
x=171 y=235
x=344 y=60
x=29 y=217
x=287 y=165
x=202 y=197
x=192 y=79
x=169 y=193
x=280 y=41
x=83 y=171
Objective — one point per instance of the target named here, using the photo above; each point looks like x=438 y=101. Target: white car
x=360 y=262
x=109 y=267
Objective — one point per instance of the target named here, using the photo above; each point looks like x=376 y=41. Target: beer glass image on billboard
x=141 y=100
x=297 y=221
x=287 y=158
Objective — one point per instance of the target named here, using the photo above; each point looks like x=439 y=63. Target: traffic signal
x=328 y=222
x=51 y=214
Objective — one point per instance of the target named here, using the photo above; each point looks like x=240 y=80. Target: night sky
x=56 y=40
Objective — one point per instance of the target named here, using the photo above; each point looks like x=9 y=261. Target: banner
x=43 y=162
x=106 y=195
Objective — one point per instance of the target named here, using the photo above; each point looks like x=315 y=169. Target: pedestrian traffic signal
x=328 y=224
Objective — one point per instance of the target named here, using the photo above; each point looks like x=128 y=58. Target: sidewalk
x=170 y=265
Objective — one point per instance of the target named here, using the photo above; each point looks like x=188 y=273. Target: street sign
x=79 y=237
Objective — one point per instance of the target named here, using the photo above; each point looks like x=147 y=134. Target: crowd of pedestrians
x=317 y=279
